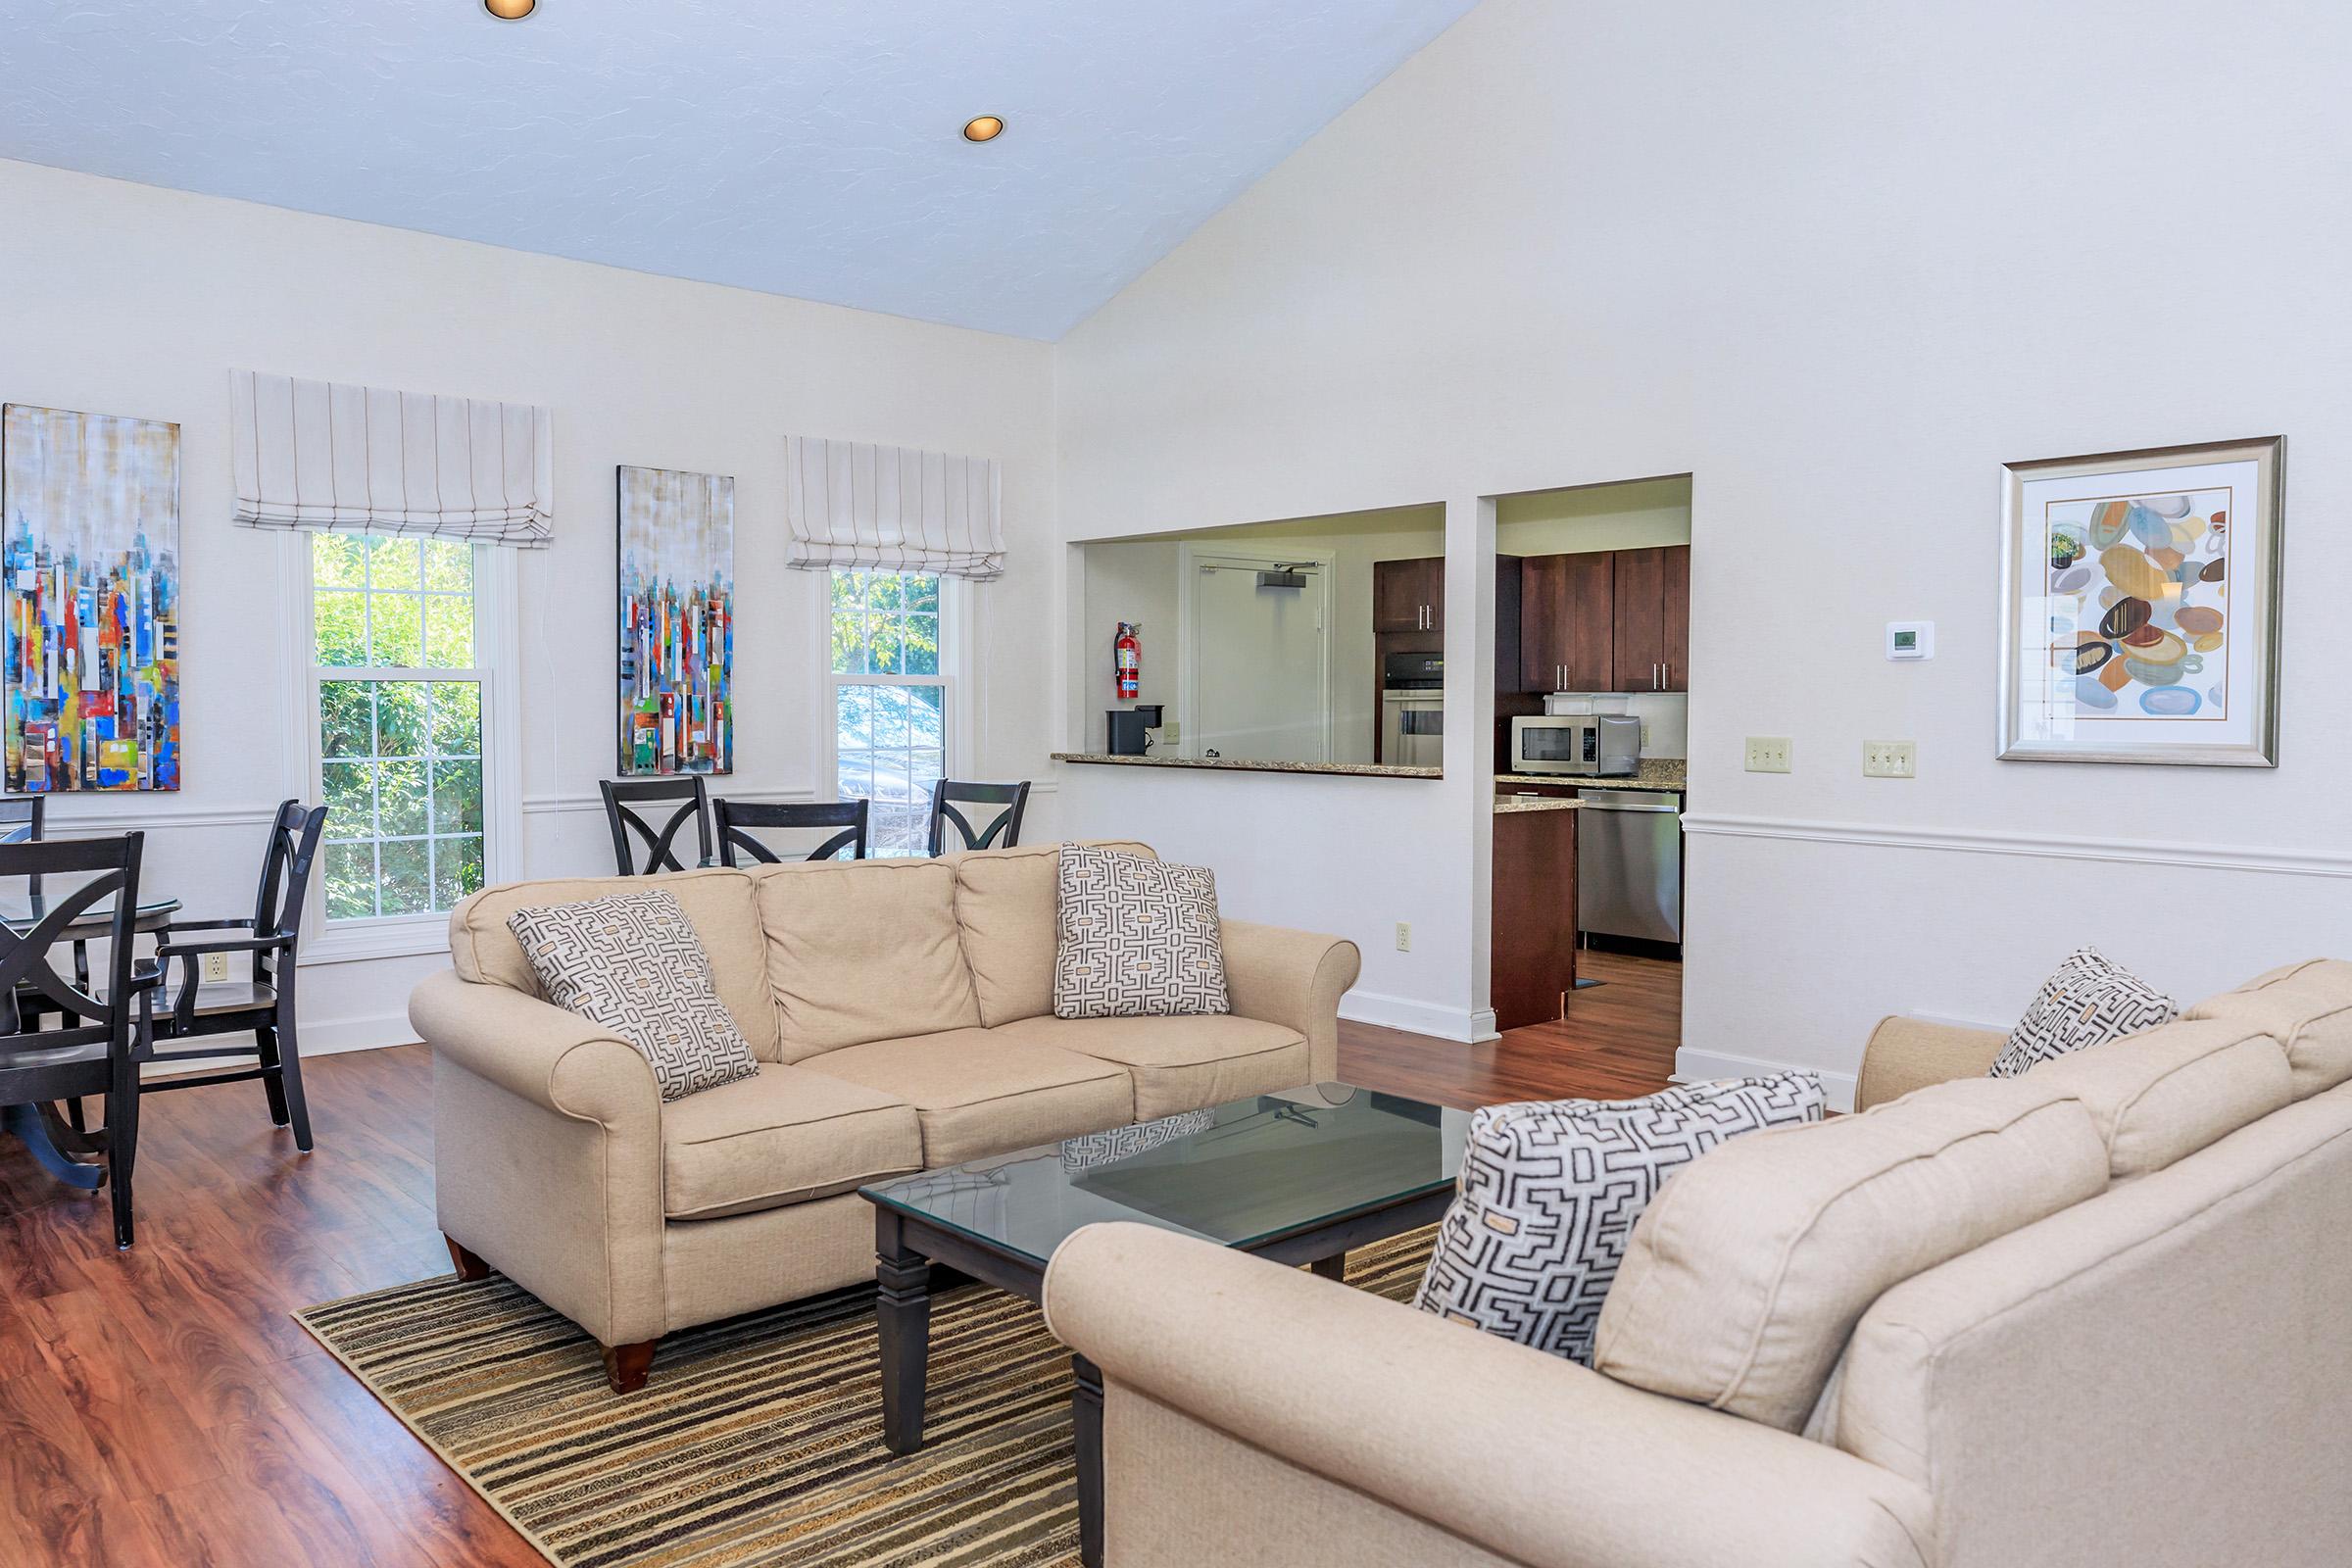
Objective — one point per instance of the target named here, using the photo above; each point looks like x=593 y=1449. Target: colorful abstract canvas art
x=91 y=600
x=2138 y=612
x=2140 y=604
x=677 y=623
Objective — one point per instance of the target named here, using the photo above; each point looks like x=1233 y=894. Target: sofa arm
x=1293 y=978
x=546 y=1153
x=1907 y=1053
x=1534 y=1458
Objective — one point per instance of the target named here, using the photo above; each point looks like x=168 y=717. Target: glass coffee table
x=1298 y=1177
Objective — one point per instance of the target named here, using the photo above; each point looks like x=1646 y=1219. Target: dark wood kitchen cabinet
x=1533 y=958
x=1409 y=595
x=1567 y=622
x=1653 y=612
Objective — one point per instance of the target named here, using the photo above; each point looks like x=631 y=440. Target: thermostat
x=1910 y=638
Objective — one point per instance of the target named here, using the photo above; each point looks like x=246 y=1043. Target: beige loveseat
x=901 y=1011
x=2139 y=1355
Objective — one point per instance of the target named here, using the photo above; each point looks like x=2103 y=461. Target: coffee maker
x=1126 y=727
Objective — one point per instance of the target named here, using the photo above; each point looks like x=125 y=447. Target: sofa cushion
x=2088 y=998
x=1181 y=1064
x=1135 y=937
x=784 y=1137
x=2307 y=1007
x=1745 y=1276
x=1551 y=1190
x=2165 y=1093
x=717 y=903
x=862 y=949
x=980 y=1093
x=630 y=963
x=1004 y=904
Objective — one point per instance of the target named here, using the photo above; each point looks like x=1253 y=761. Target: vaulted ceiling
x=803 y=147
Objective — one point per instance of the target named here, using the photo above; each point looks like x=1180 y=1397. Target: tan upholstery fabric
x=1907 y=1053
x=2168 y=1092
x=863 y=950
x=2161 y=1376
x=1293 y=978
x=982 y=1094
x=1530 y=1457
x=1743 y=1278
x=1004 y=905
x=717 y=902
x=1180 y=1064
x=784 y=1137
x=2308 y=1007
x=546 y=1153
x=714 y=1268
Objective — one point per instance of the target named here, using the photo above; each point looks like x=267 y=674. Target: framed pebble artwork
x=2139 y=603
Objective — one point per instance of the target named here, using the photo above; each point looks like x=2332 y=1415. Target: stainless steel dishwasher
x=1629 y=864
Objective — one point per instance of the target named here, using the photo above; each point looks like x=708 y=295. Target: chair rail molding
x=541 y=804
x=2040 y=845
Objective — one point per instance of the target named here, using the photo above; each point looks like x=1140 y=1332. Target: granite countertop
x=1506 y=804
x=1236 y=764
x=1657 y=774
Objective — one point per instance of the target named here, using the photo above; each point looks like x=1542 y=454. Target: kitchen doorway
x=1257 y=676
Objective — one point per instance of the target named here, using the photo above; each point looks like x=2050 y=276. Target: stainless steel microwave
x=1590 y=745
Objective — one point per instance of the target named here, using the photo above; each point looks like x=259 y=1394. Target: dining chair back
x=20 y=823
x=262 y=1005
x=731 y=818
x=99 y=1038
x=691 y=801
x=949 y=795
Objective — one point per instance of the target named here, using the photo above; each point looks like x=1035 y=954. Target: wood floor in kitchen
x=160 y=1408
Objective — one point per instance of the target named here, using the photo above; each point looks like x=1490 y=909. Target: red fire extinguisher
x=1127 y=662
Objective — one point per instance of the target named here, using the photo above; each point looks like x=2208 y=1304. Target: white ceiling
x=804 y=147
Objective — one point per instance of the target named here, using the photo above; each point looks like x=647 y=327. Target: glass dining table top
x=1240 y=1174
x=21 y=912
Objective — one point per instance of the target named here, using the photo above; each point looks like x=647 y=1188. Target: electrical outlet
x=216 y=966
x=1404 y=937
x=1768 y=754
x=1889 y=759
x=1169 y=734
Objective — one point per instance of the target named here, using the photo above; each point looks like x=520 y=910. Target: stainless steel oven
x=1590 y=745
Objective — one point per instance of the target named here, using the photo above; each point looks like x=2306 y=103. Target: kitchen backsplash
x=1665 y=715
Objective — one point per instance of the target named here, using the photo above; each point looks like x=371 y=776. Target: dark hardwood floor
x=160 y=1408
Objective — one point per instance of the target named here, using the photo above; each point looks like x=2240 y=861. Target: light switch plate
x=1890 y=759
x=1768 y=754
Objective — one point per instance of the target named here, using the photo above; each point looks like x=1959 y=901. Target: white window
x=891 y=709
x=403 y=711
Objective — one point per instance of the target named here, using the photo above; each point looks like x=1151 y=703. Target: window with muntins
x=890 y=701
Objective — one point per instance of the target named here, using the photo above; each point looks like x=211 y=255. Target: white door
x=1261 y=686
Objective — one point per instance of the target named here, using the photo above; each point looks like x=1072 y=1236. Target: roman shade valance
x=854 y=503
x=318 y=456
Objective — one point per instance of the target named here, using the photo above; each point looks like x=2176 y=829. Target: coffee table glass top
x=1243 y=1174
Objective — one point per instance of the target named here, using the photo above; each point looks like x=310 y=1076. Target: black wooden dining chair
x=187 y=1006
x=1001 y=834
x=96 y=1044
x=661 y=852
x=730 y=819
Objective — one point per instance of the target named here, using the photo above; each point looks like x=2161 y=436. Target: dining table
x=32 y=1124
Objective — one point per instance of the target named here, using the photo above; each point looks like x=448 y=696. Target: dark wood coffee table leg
x=1085 y=1427
x=903 y=1319
x=1334 y=1267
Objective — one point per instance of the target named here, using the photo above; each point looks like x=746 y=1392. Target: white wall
x=1839 y=264
x=126 y=299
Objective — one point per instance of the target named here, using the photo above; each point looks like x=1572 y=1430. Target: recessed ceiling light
x=988 y=128
x=510 y=10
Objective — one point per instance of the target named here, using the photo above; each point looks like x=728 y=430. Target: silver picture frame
x=2029 y=727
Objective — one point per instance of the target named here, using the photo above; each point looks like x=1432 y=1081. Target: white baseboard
x=1418 y=1017
x=1698 y=1067
x=330 y=1038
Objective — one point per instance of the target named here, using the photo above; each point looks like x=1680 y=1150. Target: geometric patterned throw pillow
x=632 y=962
x=1550 y=1193
x=1138 y=937
x=2089 y=999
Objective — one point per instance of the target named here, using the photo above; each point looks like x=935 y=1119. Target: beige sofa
x=2139 y=1355
x=902 y=1012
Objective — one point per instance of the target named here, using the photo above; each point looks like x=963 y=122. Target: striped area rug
x=759 y=1439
